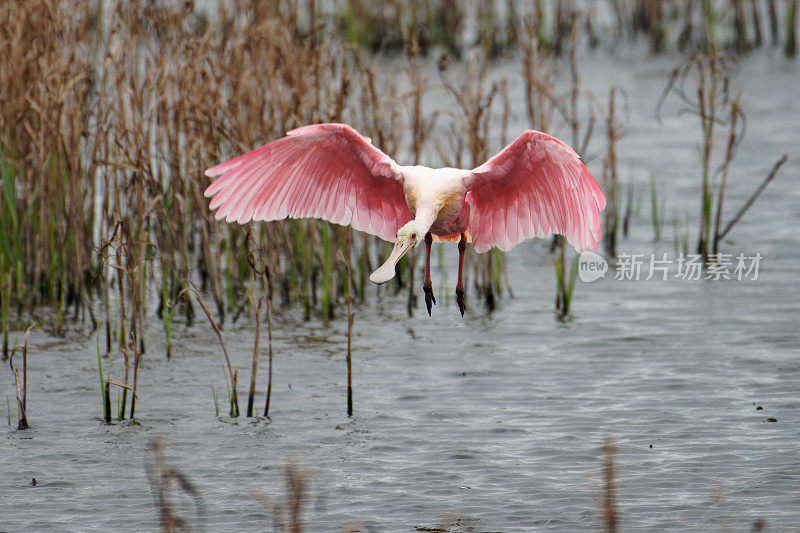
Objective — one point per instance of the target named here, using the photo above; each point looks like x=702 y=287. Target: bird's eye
x=414 y=236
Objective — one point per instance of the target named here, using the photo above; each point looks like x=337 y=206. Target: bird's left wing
x=535 y=186
x=327 y=171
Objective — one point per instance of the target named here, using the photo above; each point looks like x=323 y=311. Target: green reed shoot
x=710 y=23
x=790 y=46
x=656 y=209
x=497 y=270
x=10 y=252
x=216 y=403
x=680 y=231
x=565 y=281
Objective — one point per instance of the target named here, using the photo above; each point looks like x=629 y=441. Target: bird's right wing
x=327 y=171
x=535 y=186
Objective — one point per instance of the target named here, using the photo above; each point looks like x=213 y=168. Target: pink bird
x=535 y=186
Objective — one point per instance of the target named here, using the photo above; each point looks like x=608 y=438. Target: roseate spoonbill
x=535 y=186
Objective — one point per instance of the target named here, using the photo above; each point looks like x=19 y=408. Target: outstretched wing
x=535 y=186
x=327 y=171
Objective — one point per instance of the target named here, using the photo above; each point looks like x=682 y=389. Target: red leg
x=462 y=247
x=426 y=286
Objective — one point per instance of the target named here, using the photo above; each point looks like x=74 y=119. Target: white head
x=408 y=237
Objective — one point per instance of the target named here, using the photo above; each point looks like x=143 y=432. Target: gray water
x=491 y=422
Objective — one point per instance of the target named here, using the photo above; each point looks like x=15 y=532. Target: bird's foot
x=460 y=299
x=428 y=296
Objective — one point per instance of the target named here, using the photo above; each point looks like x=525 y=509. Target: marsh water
x=491 y=422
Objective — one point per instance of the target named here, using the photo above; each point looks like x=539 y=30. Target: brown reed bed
x=665 y=26
x=105 y=129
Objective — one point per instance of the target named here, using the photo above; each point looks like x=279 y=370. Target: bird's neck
x=424 y=219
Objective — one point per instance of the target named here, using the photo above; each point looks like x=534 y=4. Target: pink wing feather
x=327 y=171
x=535 y=186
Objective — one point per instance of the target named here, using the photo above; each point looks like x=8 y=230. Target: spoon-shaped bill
x=387 y=270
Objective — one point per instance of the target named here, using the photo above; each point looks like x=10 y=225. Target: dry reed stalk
x=288 y=518
x=572 y=112
x=538 y=71
x=703 y=86
x=565 y=280
x=21 y=388
x=127 y=341
x=741 y=42
x=708 y=78
x=610 y=180
x=296 y=480
x=137 y=356
x=123 y=335
x=610 y=514
x=685 y=36
x=778 y=164
x=350 y=318
x=233 y=397
x=773 y=22
x=257 y=260
x=269 y=353
x=107 y=402
x=254 y=368
x=473 y=114
x=733 y=141
x=161 y=475
x=107 y=399
x=758 y=38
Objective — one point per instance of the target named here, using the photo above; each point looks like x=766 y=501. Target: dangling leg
x=462 y=246
x=426 y=286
